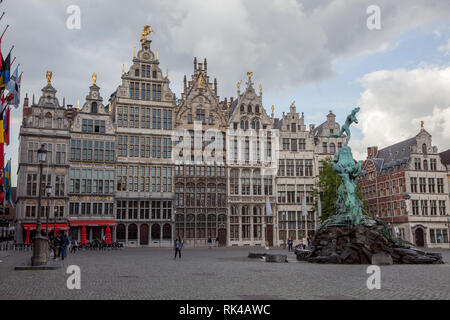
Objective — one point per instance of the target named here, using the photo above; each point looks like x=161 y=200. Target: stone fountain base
x=368 y=243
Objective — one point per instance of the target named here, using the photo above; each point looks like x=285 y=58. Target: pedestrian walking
x=290 y=243
x=178 y=245
x=217 y=241
x=56 y=246
x=209 y=242
x=64 y=245
x=74 y=245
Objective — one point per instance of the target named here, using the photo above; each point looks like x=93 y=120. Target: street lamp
x=40 y=247
x=48 y=191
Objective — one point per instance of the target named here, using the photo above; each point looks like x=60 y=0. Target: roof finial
x=157 y=55
x=49 y=74
x=94 y=78
x=273 y=109
x=123 y=69
x=134 y=52
x=422 y=123
x=260 y=89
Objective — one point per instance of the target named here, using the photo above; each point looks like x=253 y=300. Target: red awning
x=51 y=226
x=92 y=223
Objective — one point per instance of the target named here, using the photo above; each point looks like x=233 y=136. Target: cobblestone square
x=217 y=273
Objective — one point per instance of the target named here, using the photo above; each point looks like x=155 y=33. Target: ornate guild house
x=151 y=167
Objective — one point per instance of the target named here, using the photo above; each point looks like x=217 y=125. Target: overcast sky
x=319 y=53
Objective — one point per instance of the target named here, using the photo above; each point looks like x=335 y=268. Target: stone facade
x=44 y=123
x=200 y=175
x=406 y=186
x=143 y=109
x=92 y=168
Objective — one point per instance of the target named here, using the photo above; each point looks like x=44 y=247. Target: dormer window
x=424 y=148
x=94 y=108
x=145 y=73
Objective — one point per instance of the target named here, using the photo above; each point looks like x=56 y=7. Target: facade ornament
x=49 y=75
x=238 y=85
x=260 y=88
x=147 y=30
x=200 y=82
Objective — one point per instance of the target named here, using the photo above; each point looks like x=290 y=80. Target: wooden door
x=270 y=234
x=143 y=238
x=222 y=237
x=419 y=238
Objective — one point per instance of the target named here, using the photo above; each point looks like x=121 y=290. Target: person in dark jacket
x=290 y=243
x=178 y=245
x=64 y=245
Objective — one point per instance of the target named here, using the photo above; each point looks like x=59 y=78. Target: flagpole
x=4 y=31
x=2 y=14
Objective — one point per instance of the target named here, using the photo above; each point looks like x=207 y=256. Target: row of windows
x=439 y=235
x=144 y=178
x=58 y=187
x=92 y=181
x=200 y=171
x=434 y=185
x=48 y=122
x=56 y=153
x=145 y=91
x=154 y=210
x=31 y=211
x=92 y=150
x=90 y=125
x=200 y=195
x=418 y=164
x=428 y=207
x=199 y=226
x=144 y=117
x=294 y=144
x=88 y=208
x=295 y=168
x=143 y=147
x=248 y=181
x=250 y=150
x=292 y=193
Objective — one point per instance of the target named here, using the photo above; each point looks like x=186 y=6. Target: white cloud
x=395 y=101
x=445 y=49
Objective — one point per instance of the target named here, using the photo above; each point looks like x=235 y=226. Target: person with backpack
x=290 y=243
x=178 y=245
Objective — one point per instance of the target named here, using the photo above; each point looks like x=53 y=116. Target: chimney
x=372 y=152
x=275 y=121
x=205 y=64
x=25 y=101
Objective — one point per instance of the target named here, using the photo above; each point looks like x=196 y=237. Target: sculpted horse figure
x=351 y=118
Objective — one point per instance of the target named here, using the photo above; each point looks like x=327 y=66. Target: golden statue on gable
x=200 y=82
x=94 y=78
x=49 y=74
x=249 y=74
x=147 y=30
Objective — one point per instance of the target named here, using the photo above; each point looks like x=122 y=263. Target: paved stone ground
x=218 y=273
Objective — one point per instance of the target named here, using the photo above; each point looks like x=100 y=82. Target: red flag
x=6 y=126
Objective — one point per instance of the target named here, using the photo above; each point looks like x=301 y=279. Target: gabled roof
x=445 y=157
x=397 y=153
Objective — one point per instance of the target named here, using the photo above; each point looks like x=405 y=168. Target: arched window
x=245 y=181
x=253 y=124
x=221 y=195
x=256 y=182
x=242 y=124
x=120 y=232
x=211 y=198
x=48 y=120
x=425 y=165
x=94 y=108
x=424 y=148
x=332 y=148
x=257 y=124
x=167 y=232
x=132 y=232
x=179 y=191
x=234 y=181
x=200 y=195
x=212 y=223
x=179 y=225
x=249 y=108
x=190 y=227
x=190 y=190
x=201 y=226
x=256 y=109
x=136 y=72
x=242 y=108
x=246 y=125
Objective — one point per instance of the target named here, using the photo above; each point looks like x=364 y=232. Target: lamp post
x=40 y=247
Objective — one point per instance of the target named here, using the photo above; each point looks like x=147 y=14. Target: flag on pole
x=319 y=207
x=7 y=183
x=6 y=126
x=304 y=210
x=13 y=87
x=268 y=207
x=5 y=71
